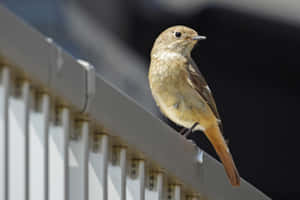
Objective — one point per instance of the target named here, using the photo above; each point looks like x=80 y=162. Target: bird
x=182 y=93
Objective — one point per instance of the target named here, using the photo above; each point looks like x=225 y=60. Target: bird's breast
x=175 y=97
x=168 y=70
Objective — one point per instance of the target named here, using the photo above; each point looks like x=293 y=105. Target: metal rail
x=65 y=133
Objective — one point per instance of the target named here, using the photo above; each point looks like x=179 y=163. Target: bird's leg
x=183 y=130
x=186 y=134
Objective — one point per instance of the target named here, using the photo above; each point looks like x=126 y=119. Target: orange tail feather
x=215 y=137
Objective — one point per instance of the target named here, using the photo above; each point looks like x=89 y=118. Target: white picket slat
x=98 y=167
x=123 y=165
x=78 y=161
x=177 y=192
x=155 y=186
x=117 y=174
x=38 y=147
x=136 y=180
x=58 y=155
x=18 y=140
x=4 y=96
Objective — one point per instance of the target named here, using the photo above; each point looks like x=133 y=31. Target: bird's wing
x=198 y=82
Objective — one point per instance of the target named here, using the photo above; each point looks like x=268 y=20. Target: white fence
x=48 y=153
x=65 y=134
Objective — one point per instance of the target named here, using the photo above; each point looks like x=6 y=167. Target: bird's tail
x=216 y=138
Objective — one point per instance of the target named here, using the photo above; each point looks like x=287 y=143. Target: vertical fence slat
x=4 y=95
x=123 y=165
x=58 y=156
x=86 y=133
x=117 y=174
x=98 y=167
x=154 y=186
x=78 y=160
x=136 y=180
x=18 y=141
x=142 y=179
x=177 y=192
x=38 y=147
x=160 y=185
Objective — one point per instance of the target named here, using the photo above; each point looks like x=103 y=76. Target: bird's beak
x=199 y=37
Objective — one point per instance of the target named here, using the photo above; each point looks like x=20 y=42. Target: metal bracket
x=90 y=84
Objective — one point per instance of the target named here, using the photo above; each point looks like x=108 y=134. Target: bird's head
x=176 y=39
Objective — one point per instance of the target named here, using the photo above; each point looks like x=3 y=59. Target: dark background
x=252 y=66
x=251 y=62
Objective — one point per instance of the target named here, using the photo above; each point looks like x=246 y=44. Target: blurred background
x=250 y=61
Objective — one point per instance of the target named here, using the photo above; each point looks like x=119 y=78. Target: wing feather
x=199 y=83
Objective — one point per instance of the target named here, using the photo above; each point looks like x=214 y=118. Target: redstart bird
x=182 y=94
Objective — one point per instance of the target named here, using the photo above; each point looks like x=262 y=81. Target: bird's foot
x=186 y=132
x=182 y=131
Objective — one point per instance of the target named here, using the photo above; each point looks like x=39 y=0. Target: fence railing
x=65 y=133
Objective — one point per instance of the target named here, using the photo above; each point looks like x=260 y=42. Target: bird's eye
x=177 y=34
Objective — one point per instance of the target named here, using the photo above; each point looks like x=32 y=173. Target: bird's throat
x=167 y=55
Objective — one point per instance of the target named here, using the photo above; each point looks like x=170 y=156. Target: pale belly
x=184 y=106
